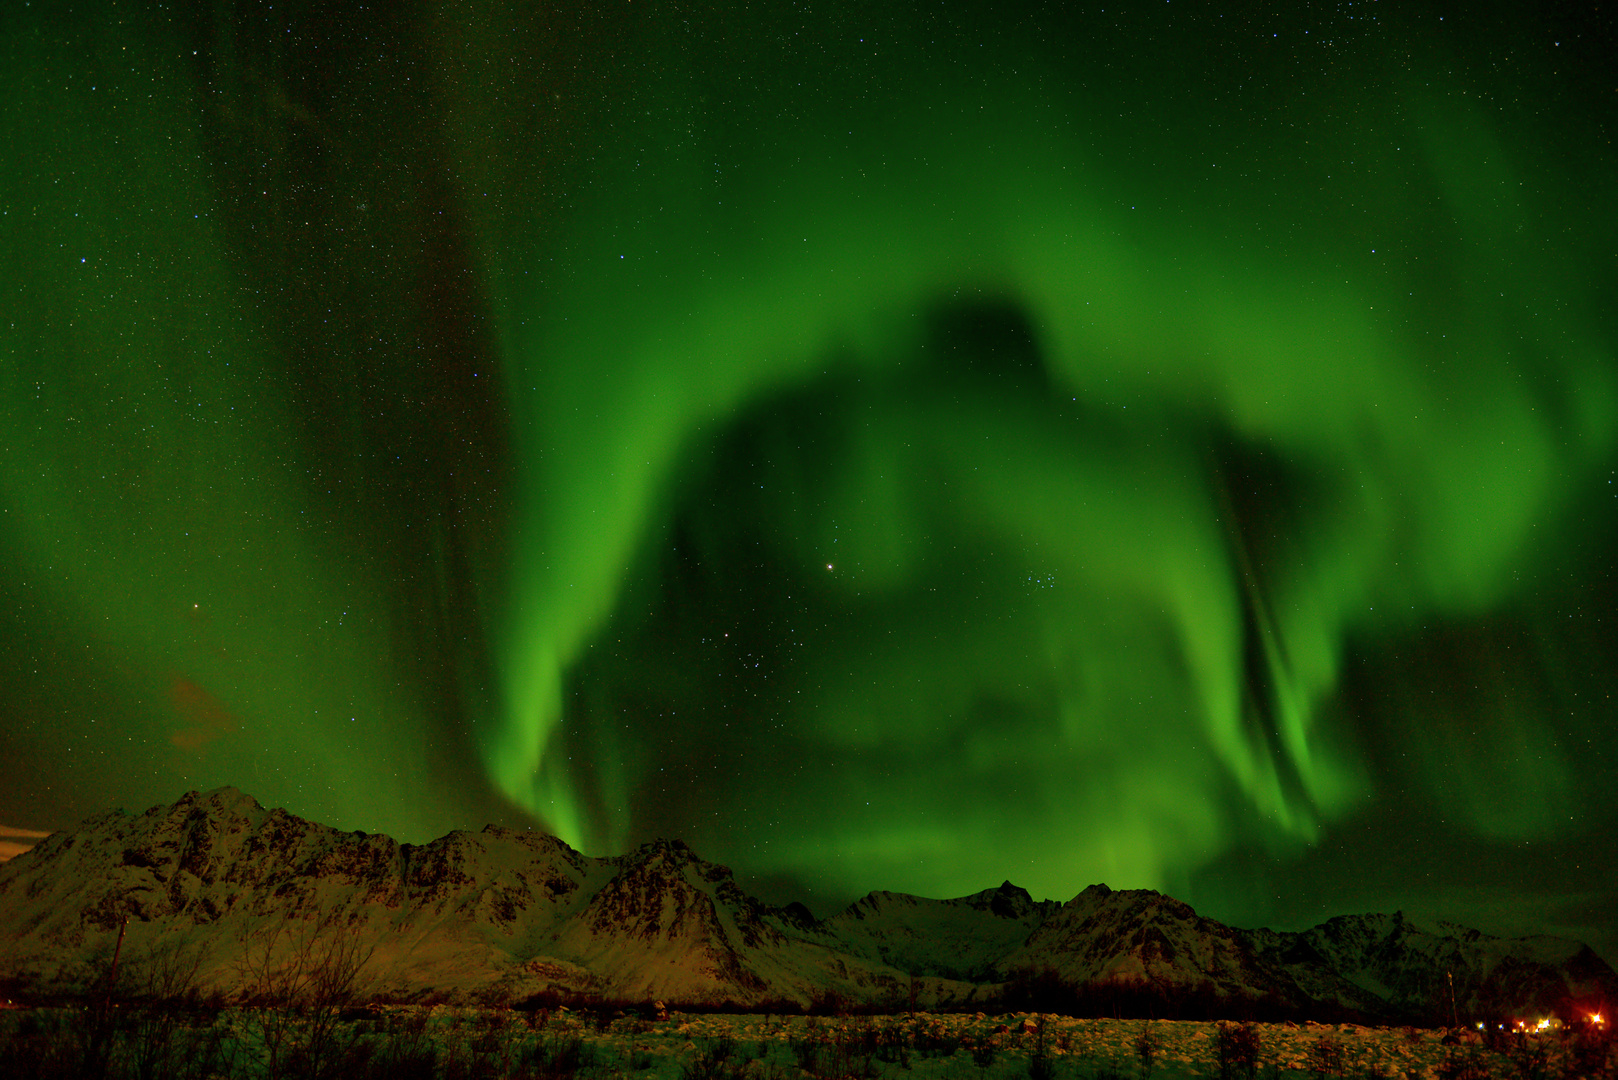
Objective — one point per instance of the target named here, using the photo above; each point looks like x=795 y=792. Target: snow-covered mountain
x=495 y=914
x=1437 y=972
x=1144 y=945
x=238 y=891
x=958 y=939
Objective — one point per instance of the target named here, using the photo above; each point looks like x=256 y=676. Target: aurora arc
x=1426 y=490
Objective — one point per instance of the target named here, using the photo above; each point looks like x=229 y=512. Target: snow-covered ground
x=420 y=1041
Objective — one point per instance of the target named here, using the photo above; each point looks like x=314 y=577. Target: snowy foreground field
x=427 y=1043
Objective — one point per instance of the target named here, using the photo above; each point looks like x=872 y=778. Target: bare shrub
x=1146 y=1047
x=1040 y=1065
x=1467 y=1065
x=1237 y=1046
x=297 y=989
x=1325 y=1057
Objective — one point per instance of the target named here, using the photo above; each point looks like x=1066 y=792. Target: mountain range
x=501 y=915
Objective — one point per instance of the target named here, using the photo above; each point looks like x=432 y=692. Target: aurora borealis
x=886 y=448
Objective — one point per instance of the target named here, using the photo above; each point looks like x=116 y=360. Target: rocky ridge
x=503 y=914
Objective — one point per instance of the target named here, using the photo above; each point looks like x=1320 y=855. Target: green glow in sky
x=184 y=609
x=1060 y=613
x=885 y=449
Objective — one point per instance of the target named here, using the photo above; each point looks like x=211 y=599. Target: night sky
x=886 y=446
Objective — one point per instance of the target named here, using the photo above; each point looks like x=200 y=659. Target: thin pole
x=112 y=976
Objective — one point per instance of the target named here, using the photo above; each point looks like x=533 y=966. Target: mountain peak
x=799 y=914
x=673 y=852
x=1010 y=901
x=228 y=798
x=520 y=912
x=220 y=800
